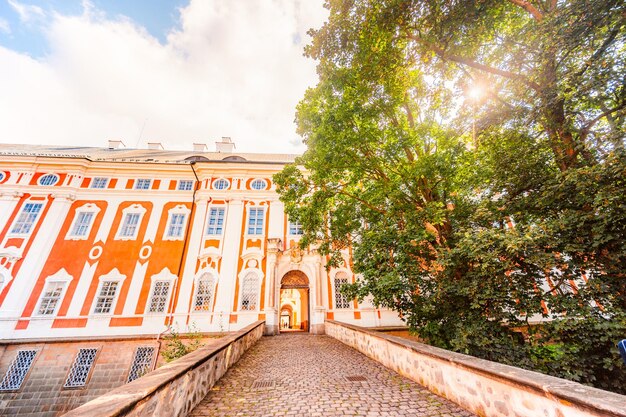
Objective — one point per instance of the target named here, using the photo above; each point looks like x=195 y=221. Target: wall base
x=318 y=329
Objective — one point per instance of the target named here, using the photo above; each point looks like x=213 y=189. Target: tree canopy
x=472 y=155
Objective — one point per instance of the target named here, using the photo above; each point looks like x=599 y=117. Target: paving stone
x=306 y=375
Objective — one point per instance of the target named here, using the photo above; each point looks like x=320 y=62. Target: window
x=204 y=293
x=249 y=291
x=99 y=182
x=216 y=221
x=130 y=225
x=50 y=299
x=160 y=294
x=80 y=368
x=26 y=219
x=220 y=184
x=17 y=370
x=176 y=226
x=106 y=297
x=295 y=228
x=259 y=185
x=142 y=362
x=340 y=300
x=185 y=185
x=255 y=221
x=49 y=179
x=82 y=224
x=142 y=184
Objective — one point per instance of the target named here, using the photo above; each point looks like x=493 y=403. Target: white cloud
x=4 y=26
x=28 y=13
x=231 y=69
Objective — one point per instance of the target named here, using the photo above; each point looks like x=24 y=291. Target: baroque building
x=103 y=250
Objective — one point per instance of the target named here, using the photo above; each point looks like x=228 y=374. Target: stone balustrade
x=176 y=388
x=483 y=387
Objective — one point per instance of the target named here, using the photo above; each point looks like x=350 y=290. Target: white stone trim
x=113 y=276
x=179 y=209
x=196 y=280
x=241 y=277
x=59 y=277
x=164 y=276
x=132 y=209
x=85 y=208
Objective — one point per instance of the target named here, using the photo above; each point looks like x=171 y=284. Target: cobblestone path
x=307 y=375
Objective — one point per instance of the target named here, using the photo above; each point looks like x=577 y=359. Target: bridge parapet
x=176 y=388
x=483 y=387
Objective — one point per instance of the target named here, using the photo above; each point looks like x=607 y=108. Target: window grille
x=99 y=182
x=142 y=362
x=220 y=184
x=204 y=293
x=216 y=221
x=104 y=303
x=255 y=221
x=50 y=299
x=17 y=371
x=259 y=185
x=249 y=292
x=49 y=179
x=175 y=229
x=340 y=300
x=185 y=185
x=82 y=223
x=295 y=228
x=160 y=291
x=27 y=218
x=142 y=184
x=80 y=368
x=129 y=226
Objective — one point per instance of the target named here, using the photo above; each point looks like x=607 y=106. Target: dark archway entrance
x=294 y=302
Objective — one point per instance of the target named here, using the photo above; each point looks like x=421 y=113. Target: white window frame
x=94 y=181
x=178 y=210
x=179 y=185
x=141 y=180
x=12 y=369
x=133 y=209
x=256 y=208
x=242 y=277
x=164 y=276
x=33 y=224
x=208 y=222
x=297 y=226
x=258 y=181
x=213 y=280
x=63 y=278
x=75 y=364
x=335 y=292
x=220 y=181
x=86 y=208
x=48 y=175
x=113 y=276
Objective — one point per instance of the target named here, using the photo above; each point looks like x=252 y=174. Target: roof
x=141 y=155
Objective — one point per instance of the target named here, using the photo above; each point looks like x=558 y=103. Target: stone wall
x=42 y=393
x=483 y=387
x=175 y=388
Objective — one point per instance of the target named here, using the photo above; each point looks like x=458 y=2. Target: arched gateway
x=294 y=302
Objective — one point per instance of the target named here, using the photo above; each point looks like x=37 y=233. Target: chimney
x=116 y=144
x=200 y=147
x=225 y=146
x=155 y=146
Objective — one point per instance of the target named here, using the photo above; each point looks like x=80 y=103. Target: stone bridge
x=350 y=371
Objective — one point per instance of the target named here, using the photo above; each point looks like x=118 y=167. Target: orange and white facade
x=118 y=242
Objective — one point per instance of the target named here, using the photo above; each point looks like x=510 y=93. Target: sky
x=79 y=73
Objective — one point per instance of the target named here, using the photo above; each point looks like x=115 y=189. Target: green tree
x=463 y=230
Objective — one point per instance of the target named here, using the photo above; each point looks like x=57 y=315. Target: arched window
x=341 y=278
x=259 y=184
x=49 y=179
x=204 y=293
x=250 y=291
x=220 y=184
